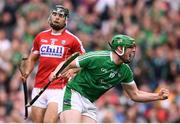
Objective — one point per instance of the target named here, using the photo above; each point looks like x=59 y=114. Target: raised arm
x=140 y=96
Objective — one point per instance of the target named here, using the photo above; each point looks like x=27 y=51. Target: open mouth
x=56 y=22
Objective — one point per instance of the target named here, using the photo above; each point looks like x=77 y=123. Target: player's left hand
x=163 y=93
x=52 y=76
x=68 y=74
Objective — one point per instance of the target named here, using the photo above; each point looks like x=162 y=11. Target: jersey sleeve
x=77 y=46
x=35 y=47
x=128 y=76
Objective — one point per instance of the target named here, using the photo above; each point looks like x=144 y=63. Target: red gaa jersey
x=53 y=49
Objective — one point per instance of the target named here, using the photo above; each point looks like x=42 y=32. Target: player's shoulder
x=101 y=53
x=44 y=32
x=97 y=54
x=71 y=35
x=126 y=66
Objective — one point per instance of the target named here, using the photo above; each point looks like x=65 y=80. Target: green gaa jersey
x=98 y=74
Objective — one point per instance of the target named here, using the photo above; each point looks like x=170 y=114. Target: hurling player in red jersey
x=51 y=47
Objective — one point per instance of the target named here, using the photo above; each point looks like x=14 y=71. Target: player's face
x=129 y=54
x=57 y=21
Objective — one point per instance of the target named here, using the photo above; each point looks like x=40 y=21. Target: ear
x=120 y=50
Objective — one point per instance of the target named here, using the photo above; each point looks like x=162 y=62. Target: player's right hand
x=24 y=77
x=163 y=93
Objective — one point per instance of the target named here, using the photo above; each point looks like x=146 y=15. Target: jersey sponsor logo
x=112 y=72
x=51 y=51
x=112 y=75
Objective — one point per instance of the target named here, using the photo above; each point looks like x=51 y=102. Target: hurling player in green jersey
x=100 y=71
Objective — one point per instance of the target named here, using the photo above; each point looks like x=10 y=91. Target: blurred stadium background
x=155 y=24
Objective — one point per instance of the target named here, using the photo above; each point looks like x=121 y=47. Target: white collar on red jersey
x=59 y=33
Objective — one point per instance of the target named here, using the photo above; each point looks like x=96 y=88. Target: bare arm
x=141 y=96
x=30 y=65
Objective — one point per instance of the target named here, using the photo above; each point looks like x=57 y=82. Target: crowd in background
x=155 y=24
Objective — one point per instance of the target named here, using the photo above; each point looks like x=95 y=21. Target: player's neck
x=116 y=59
x=57 y=32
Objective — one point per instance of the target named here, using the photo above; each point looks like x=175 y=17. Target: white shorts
x=74 y=100
x=49 y=95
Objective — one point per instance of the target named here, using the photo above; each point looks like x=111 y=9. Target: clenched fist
x=163 y=93
x=24 y=77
